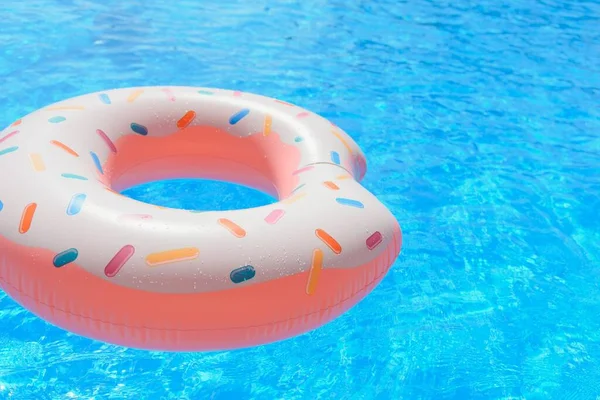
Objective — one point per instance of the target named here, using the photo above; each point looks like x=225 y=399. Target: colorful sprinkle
x=65 y=257
x=342 y=177
x=267 y=125
x=134 y=95
x=301 y=170
x=294 y=198
x=303 y=114
x=169 y=94
x=350 y=202
x=1 y=205
x=299 y=187
x=171 y=256
x=242 y=274
x=329 y=241
x=187 y=119
x=140 y=129
x=237 y=93
x=298 y=139
x=57 y=119
x=343 y=140
x=97 y=162
x=374 y=240
x=74 y=176
x=274 y=216
x=237 y=117
x=335 y=157
x=9 y=150
x=37 y=162
x=118 y=261
x=64 y=147
x=107 y=140
x=315 y=271
x=27 y=217
x=234 y=228
x=331 y=185
x=104 y=98
x=13 y=133
x=17 y=122
x=76 y=204
x=205 y=92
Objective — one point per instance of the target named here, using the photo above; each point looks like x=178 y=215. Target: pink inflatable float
x=81 y=256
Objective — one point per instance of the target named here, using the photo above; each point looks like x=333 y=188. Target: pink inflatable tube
x=81 y=256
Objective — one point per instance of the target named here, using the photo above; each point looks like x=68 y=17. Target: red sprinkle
x=116 y=263
x=107 y=140
x=374 y=240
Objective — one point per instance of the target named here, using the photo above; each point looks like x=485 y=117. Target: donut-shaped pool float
x=78 y=254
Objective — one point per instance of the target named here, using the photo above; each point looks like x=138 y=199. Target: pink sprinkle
x=274 y=216
x=237 y=93
x=169 y=94
x=374 y=240
x=107 y=140
x=303 y=114
x=301 y=170
x=118 y=261
x=13 y=133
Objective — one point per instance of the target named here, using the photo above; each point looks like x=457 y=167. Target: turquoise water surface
x=481 y=124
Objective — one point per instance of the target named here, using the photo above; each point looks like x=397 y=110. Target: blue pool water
x=481 y=124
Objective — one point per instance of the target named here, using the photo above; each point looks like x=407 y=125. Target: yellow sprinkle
x=343 y=140
x=267 y=127
x=134 y=95
x=294 y=198
x=37 y=162
x=315 y=272
x=342 y=177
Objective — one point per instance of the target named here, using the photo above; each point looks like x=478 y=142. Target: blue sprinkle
x=350 y=202
x=299 y=187
x=65 y=257
x=76 y=204
x=73 y=176
x=104 y=98
x=8 y=150
x=242 y=274
x=235 y=118
x=137 y=128
x=97 y=162
x=1 y=205
x=56 y=120
x=298 y=139
x=335 y=157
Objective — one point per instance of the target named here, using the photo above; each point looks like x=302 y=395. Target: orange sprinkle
x=331 y=185
x=64 y=147
x=343 y=140
x=187 y=119
x=234 y=228
x=37 y=162
x=267 y=125
x=329 y=241
x=17 y=122
x=134 y=95
x=171 y=256
x=27 y=217
x=315 y=272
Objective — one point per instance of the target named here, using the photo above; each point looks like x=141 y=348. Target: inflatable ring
x=85 y=258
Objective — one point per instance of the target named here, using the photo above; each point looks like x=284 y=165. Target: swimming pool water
x=481 y=124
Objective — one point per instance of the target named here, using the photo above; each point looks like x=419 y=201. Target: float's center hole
x=198 y=195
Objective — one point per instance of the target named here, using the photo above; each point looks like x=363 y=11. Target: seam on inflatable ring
x=54 y=308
